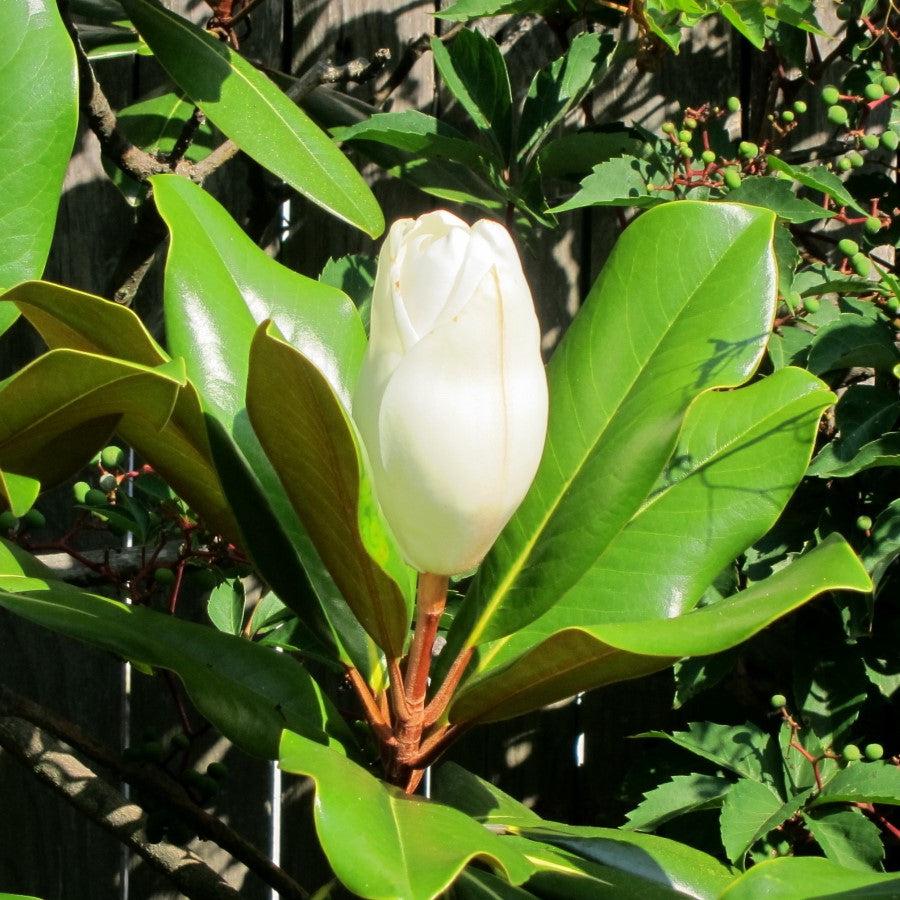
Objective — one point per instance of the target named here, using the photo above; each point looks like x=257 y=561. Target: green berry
x=108 y=482
x=180 y=741
x=217 y=770
x=811 y=304
x=870 y=141
x=34 y=518
x=163 y=575
x=864 y=523
x=685 y=136
x=668 y=128
x=690 y=123
x=860 y=263
x=890 y=140
x=848 y=246
x=892 y=304
x=708 y=156
x=95 y=497
x=852 y=753
x=8 y=521
x=685 y=151
x=80 y=490
x=844 y=164
x=112 y=457
x=837 y=115
x=732 y=178
x=872 y=225
x=856 y=159
x=733 y=104
x=830 y=94
x=891 y=84
x=800 y=107
x=844 y=11
x=748 y=149
x=777 y=701
x=787 y=116
x=873 y=92
x=873 y=752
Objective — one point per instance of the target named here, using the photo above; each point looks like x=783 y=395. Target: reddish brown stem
x=438 y=704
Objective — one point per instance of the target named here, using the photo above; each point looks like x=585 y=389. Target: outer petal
x=461 y=429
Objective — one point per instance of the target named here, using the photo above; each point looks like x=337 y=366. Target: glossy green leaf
x=225 y=606
x=180 y=451
x=249 y=692
x=18 y=491
x=779 y=879
x=476 y=884
x=218 y=287
x=641 y=327
x=382 y=843
x=39 y=112
x=847 y=838
x=560 y=87
x=620 y=863
x=775 y=194
x=869 y=782
x=852 y=340
x=683 y=794
x=248 y=108
x=313 y=444
x=473 y=69
x=59 y=410
x=580 y=658
x=718 y=494
x=111 y=42
x=884 y=451
x=108 y=12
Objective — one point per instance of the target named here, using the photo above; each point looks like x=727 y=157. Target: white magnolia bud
x=452 y=398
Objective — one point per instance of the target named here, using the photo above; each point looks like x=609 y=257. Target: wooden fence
x=566 y=761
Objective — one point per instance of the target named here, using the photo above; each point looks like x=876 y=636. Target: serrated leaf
x=683 y=794
x=618 y=182
x=869 y=782
x=818 y=178
x=248 y=108
x=748 y=807
x=775 y=194
x=225 y=606
x=847 y=838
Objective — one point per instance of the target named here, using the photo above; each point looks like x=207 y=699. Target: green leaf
x=818 y=178
x=747 y=17
x=474 y=70
x=775 y=194
x=109 y=12
x=59 y=410
x=640 y=327
x=580 y=658
x=111 y=42
x=847 y=838
x=225 y=606
x=19 y=491
x=39 y=112
x=683 y=794
x=218 y=287
x=353 y=274
x=618 y=182
x=851 y=340
x=788 y=258
x=249 y=692
x=248 y=108
x=474 y=884
x=575 y=155
x=869 y=782
x=560 y=87
x=778 y=879
x=742 y=749
x=746 y=812
x=180 y=451
x=383 y=843
x=154 y=125
x=885 y=451
x=465 y=10
x=884 y=542
x=592 y=858
x=313 y=444
x=862 y=415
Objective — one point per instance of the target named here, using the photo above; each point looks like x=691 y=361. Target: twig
x=54 y=763
x=410 y=57
x=156 y=782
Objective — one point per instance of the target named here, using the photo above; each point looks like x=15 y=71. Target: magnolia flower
x=452 y=398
